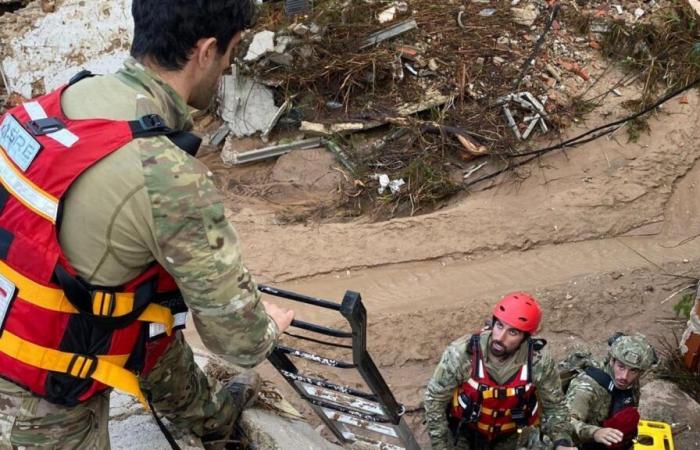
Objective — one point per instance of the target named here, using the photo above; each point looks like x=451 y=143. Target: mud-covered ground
x=603 y=235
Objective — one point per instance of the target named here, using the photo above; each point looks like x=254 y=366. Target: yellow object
x=654 y=436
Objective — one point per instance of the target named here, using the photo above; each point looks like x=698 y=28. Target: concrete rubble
x=48 y=49
x=245 y=105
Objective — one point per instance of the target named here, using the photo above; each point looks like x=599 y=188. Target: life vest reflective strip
x=59 y=337
x=487 y=407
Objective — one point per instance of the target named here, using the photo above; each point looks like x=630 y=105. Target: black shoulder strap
x=189 y=142
x=80 y=76
x=153 y=125
x=601 y=377
x=474 y=349
x=620 y=398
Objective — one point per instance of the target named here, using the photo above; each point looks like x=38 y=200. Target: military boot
x=244 y=390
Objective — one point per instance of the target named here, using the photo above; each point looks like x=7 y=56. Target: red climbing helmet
x=519 y=310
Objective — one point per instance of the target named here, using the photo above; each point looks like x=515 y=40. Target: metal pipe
x=320 y=329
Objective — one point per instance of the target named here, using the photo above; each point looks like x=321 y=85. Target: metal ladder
x=371 y=418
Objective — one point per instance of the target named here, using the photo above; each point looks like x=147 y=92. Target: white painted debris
x=618 y=9
x=525 y=16
x=639 y=12
x=387 y=15
x=385 y=182
x=487 y=12
x=79 y=35
x=247 y=106
x=263 y=43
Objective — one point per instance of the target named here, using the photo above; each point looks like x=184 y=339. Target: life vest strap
x=106 y=369
x=104 y=304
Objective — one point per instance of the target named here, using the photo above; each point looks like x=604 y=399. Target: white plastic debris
x=263 y=42
x=618 y=9
x=385 y=182
x=639 y=12
x=487 y=12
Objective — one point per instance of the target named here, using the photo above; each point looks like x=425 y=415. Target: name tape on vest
x=18 y=143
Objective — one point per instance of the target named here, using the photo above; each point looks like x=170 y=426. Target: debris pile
x=419 y=91
x=416 y=90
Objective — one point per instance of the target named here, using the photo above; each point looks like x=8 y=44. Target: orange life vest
x=490 y=409
x=60 y=337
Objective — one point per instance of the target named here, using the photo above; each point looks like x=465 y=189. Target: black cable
x=537 y=46
x=317 y=341
x=163 y=429
x=578 y=140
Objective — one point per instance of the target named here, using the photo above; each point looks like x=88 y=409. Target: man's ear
x=205 y=51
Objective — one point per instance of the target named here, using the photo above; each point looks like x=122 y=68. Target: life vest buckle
x=44 y=126
x=103 y=303
x=152 y=122
x=82 y=366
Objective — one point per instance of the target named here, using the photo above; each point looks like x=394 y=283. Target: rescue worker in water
x=489 y=385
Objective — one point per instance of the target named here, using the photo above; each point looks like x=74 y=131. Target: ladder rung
x=327 y=385
x=316 y=358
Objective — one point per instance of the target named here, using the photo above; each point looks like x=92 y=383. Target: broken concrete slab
x=51 y=48
x=263 y=43
x=525 y=16
x=270 y=431
x=245 y=105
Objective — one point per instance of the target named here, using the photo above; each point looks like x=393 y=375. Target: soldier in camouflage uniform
x=150 y=201
x=593 y=401
x=459 y=406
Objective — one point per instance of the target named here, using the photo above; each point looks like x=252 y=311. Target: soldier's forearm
x=584 y=431
x=436 y=421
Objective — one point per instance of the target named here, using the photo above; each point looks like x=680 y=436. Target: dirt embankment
x=604 y=235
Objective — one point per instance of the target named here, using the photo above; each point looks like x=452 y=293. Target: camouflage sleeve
x=555 y=417
x=579 y=399
x=453 y=369
x=199 y=248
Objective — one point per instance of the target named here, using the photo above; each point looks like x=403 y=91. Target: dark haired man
x=490 y=386
x=110 y=230
x=604 y=397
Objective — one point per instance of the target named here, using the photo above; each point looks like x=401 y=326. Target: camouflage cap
x=633 y=351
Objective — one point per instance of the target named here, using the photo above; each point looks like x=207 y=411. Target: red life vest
x=494 y=410
x=60 y=337
x=623 y=415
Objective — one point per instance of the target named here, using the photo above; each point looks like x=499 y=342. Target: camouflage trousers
x=179 y=389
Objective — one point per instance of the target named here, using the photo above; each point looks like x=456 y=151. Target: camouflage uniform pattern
x=589 y=403
x=150 y=201
x=454 y=368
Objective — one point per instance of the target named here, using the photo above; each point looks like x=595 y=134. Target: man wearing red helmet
x=490 y=385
